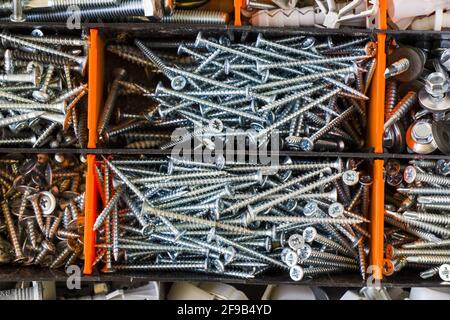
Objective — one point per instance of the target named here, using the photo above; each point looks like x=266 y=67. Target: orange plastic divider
x=96 y=67
x=238 y=4
x=377 y=220
x=375 y=138
x=94 y=103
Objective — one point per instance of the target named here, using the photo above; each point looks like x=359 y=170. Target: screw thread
x=197 y=17
x=401 y=109
x=48 y=59
x=433 y=179
x=127 y=8
x=397 y=68
x=107 y=210
x=331 y=257
x=12 y=231
x=130 y=56
x=424 y=191
x=334 y=264
x=391 y=99
x=47 y=132
x=427 y=217
x=428 y=259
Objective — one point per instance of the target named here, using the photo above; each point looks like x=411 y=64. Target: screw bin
x=99 y=34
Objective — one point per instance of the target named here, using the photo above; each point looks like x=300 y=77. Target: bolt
x=17 y=15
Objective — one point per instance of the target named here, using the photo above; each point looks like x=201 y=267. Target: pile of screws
x=43 y=100
x=42 y=208
x=417 y=102
x=233 y=219
x=311 y=92
x=417 y=216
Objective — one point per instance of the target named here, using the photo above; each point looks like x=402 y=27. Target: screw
x=398 y=67
x=17 y=15
x=81 y=61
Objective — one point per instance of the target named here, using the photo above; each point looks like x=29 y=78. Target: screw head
x=47 y=202
x=309 y=234
x=336 y=210
x=304 y=252
x=296 y=273
x=310 y=208
x=291 y=258
x=409 y=175
x=41 y=96
x=48 y=246
x=306 y=144
x=219 y=265
x=350 y=177
x=230 y=255
x=148 y=229
x=211 y=235
x=389 y=251
x=296 y=241
x=366 y=180
x=178 y=83
x=268 y=244
x=436 y=84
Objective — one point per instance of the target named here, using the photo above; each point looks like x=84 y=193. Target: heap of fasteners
x=304 y=217
x=416 y=112
x=311 y=92
x=42 y=208
x=417 y=216
x=43 y=99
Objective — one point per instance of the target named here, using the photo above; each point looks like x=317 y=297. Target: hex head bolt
x=110 y=101
x=19 y=256
x=433 y=96
x=401 y=109
x=47 y=248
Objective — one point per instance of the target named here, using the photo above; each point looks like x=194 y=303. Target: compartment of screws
x=417 y=100
x=310 y=91
x=43 y=90
x=417 y=217
x=233 y=219
x=42 y=221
